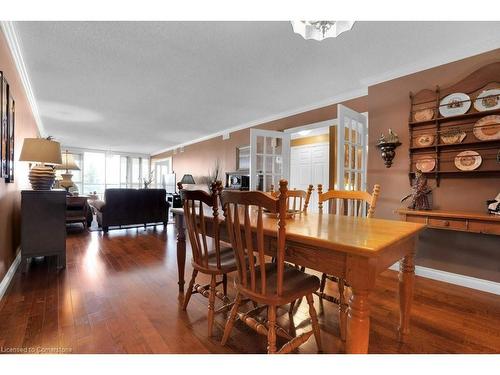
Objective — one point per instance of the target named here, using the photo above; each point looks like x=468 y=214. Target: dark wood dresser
x=43 y=225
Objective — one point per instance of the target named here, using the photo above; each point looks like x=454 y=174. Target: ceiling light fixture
x=319 y=30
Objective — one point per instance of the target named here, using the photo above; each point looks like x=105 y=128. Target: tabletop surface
x=345 y=233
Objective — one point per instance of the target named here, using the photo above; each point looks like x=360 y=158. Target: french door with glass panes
x=352 y=150
x=269 y=158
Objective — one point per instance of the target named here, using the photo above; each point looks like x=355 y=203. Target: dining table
x=356 y=249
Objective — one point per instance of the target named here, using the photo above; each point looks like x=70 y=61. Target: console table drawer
x=484 y=227
x=447 y=223
x=473 y=222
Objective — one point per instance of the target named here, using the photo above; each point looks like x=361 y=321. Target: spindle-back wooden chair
x=215 y=260
x=269 y=284
x=298 y=200
x=349 y=203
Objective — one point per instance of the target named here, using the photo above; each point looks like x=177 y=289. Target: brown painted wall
x=9 y=193
x=388 y=107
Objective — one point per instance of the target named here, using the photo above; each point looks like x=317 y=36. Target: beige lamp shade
x=68 y=163
x=40 y=150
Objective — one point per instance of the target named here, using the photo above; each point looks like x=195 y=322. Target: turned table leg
x=181 y=250
x=406 y=282
x=358 y=322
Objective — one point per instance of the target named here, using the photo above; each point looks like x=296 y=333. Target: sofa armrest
x=99 y=205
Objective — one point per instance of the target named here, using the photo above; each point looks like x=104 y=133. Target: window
x=146 y=174
x=113 y=171
x=94 y=172
x=101 y=170
x=123 y=171
x=136 y=180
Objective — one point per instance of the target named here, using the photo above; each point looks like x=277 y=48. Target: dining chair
x=349 y=203
x=298 y=200
x=268 y=284
x=215 y=260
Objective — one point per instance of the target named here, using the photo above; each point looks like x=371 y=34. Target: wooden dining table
x=356 y=249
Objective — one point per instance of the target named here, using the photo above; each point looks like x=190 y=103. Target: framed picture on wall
x=3 y=126
x=11 y=118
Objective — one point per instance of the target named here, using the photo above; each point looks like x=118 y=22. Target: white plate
x=491 y=102
x=454 y=104
x=468 y=160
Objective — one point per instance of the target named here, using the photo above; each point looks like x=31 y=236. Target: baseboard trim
x=454 y=278
x=4 y=285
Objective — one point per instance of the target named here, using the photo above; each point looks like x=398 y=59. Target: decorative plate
x=487 y=128
x=426 y=164
x=454 y=104
x=424 y=114
x=424 y=140
x=453 y=136
x=468 y=160
x=488 y=100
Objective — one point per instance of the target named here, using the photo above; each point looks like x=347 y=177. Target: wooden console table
x=463 y=221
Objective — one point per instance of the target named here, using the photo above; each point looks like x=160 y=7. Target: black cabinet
x=43 y=225
x=174 y=200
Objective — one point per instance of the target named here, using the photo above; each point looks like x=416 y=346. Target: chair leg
x=314 y=322
x=271 y=333
x=342 y=309
x=189 y=290
x=211 y=305
x=224 y=284
x=323 y=283
x=292 y=305
x=231 y=319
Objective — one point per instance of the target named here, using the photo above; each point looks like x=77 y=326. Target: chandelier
x=319 y=30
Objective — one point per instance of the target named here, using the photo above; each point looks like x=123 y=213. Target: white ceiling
x=147 y=86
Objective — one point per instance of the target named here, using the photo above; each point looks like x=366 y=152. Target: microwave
x=239 y=180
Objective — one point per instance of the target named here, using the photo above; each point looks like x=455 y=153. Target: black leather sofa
x=131 y=206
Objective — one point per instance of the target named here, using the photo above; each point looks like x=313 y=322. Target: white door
x=310 y=165
x=269 y=158
x=352 y=149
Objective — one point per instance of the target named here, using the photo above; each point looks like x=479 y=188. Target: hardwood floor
x=119 y=294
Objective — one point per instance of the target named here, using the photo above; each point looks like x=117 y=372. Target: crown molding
x=13 y=42
x=324 y=103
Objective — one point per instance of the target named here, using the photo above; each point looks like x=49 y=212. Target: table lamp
x=187 y=179
x=68 y=164
x=45 y=153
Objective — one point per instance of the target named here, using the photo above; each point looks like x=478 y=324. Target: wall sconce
x=388 y=147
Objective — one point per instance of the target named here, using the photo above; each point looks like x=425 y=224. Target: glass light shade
x=40 y=150
x=68 y=163
x=319 y=30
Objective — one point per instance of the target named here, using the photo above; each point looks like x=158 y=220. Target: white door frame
x=285 y=147
x=362 y=128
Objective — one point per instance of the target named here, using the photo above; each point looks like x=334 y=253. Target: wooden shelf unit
x=485 y=78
